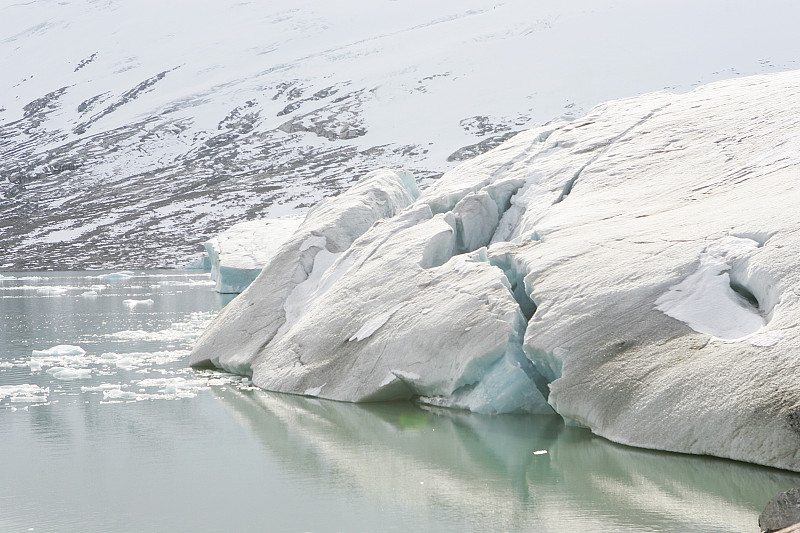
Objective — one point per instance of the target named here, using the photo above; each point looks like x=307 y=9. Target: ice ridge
x=633 y=271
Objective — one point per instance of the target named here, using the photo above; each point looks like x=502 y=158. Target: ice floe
x=116 y=275
x=61 y=350
x=25 y=393
x=136 y=303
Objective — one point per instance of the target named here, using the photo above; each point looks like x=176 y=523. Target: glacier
x=633 y=271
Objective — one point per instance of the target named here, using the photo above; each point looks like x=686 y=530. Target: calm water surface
x=125 y=438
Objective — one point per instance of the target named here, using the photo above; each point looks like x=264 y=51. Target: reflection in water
x=140 y=443
x=483 y=469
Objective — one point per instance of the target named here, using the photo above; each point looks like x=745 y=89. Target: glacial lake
x=126 y=438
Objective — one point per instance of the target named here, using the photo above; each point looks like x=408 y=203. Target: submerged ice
x=633 y=271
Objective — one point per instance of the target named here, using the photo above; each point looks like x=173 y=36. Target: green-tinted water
x=126 y=438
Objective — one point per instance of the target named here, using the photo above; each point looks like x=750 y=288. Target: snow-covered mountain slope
x=132 y=131
x=636 y=267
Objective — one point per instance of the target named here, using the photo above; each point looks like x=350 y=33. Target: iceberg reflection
x=492 y=472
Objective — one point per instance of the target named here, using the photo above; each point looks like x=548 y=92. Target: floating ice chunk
x=102 y=387
x=126 y=363
x=60 y=372
x=173 y=388
x=51 y=291
x=134 y=303
x=117 y=275
x=608 y=222
x=374 y=324
x=24 y=393
x=89 y=294
x=119 y=394
x=59 y=351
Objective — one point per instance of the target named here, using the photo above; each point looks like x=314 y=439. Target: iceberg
x=238 y=254
x=253 y=319
x=633 y=271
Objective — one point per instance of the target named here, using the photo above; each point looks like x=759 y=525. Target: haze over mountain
x=132 y=131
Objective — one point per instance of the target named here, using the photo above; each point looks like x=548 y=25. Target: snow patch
x=314 y=391
x=374 y=324
x=708 y=301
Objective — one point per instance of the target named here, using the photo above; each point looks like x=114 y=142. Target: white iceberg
x=24 y=393
x=238 y=254
x=60 y=372
x=234 y=339
x=124 y=275
x=62 y=350
x=636 y=267
x=135 y=303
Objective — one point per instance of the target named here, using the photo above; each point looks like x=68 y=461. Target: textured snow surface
x=131 y=132
x=635 y=270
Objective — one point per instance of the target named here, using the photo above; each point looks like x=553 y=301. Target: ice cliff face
x=132 y=132
x=634 y=270
x=237 y=255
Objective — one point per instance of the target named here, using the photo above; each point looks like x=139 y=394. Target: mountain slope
x=130 y=132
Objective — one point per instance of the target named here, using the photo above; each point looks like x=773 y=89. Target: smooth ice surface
x=639 y=274
x=373 y=324
x=706 y=301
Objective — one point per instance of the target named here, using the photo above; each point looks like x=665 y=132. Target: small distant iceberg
x=62 y=350
x=66 y=373
x=237 y=255
x=136 y=303
x=127 y=274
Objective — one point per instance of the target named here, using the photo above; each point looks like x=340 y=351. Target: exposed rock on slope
x=131 y=132
x=640 y=273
